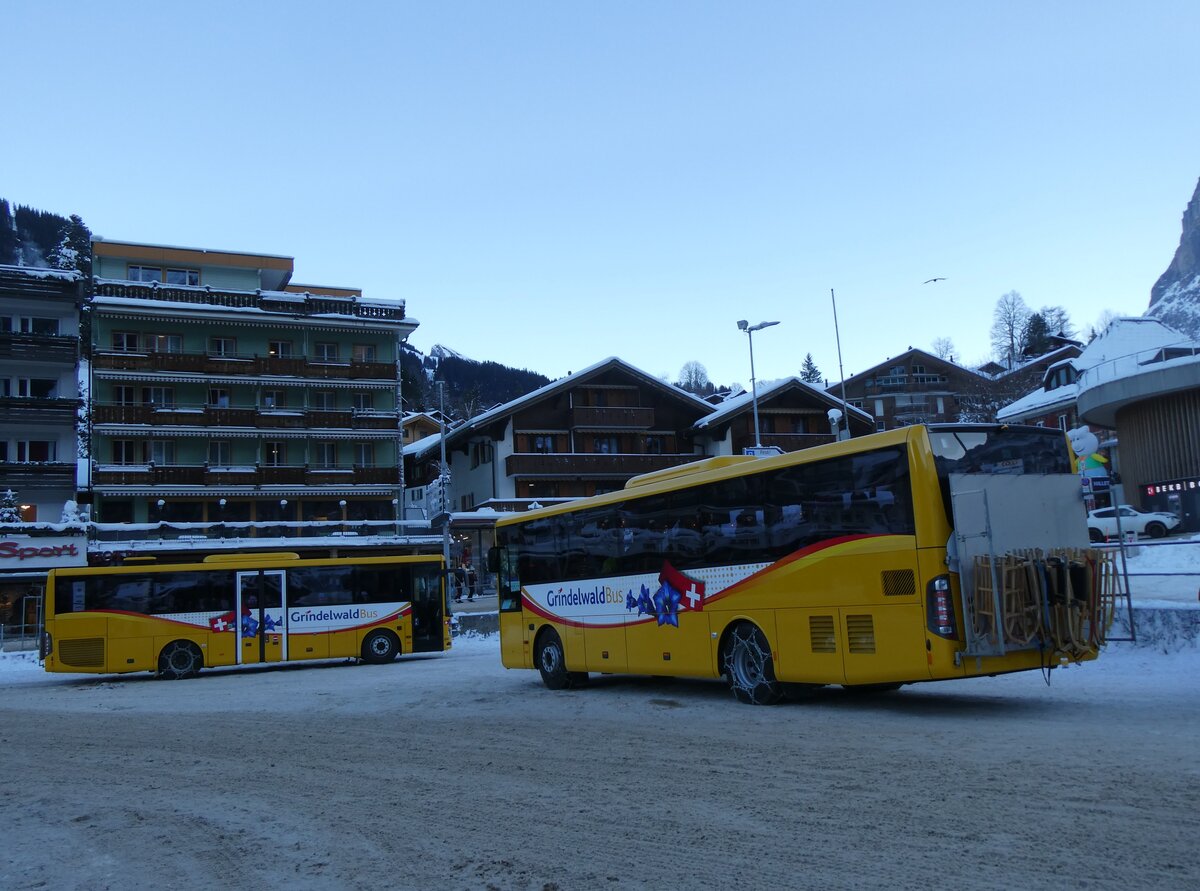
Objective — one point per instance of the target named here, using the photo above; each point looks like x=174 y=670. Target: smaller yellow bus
x=242 y=609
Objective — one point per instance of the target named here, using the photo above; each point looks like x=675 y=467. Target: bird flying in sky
x=928 y=280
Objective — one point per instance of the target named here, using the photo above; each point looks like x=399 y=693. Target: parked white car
x=1102 y=523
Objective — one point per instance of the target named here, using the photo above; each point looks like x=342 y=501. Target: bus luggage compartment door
x=261 y=629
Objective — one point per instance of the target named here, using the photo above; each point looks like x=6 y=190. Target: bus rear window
x=1000 y=450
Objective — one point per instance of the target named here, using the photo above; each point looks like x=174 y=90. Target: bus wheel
x=179 y=659
x=749 y=668
x=552 y=663
x=380 y=646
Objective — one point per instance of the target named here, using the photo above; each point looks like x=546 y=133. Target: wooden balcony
x=615 y=418
x=289 y=304
x=590 y=465
x=37 y=475
x=250 y=476
x=16 y=411
x=262 y=419
x=42 y=347
x=234 y=366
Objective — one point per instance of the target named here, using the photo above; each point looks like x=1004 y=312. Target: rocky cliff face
x=1175 y=297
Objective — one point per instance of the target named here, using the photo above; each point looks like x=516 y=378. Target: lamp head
x=743 y=325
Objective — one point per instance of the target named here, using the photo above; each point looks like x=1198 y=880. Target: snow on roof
x=1122 y=350
x=743 y=400
x=507 y=408
x=68 y=275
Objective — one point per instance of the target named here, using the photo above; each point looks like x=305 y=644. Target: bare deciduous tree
x=943 y=348
x=1009 y=319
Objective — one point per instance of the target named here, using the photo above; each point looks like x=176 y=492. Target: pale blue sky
x=548 y=184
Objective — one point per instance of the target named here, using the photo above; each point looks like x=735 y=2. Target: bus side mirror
x=493 y=559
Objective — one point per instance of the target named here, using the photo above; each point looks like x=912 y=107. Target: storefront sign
x=39 y=553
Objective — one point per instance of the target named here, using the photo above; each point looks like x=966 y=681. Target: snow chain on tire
x=748 y=666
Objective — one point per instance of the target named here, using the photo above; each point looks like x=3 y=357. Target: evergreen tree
x=1035 y=339
x=8 y=235
x=74 y=247
x=9 y=512
x=809 y=373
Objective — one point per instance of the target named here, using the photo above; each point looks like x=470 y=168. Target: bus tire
x=551 y=661
x=380 y=647
x=748 y=667
x=179 y=659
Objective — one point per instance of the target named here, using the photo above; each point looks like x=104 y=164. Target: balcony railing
x=49 y=473
x=874 y=388
x=17 y=410
x=251 y=476
x=197 y=536
x=42 y=347
x=584 y=464
x=250 y=365
x=617 y=417
x=262 y=418
x=281 y=302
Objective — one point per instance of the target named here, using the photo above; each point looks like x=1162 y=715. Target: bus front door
x=261 y=630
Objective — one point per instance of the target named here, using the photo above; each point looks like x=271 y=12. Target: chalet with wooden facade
x=915 y=387
x=792 y=415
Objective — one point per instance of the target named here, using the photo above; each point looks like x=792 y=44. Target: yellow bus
x=242 y=609
x=923 y=553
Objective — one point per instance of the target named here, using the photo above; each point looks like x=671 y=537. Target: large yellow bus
x=923 y=553
x=242 y=609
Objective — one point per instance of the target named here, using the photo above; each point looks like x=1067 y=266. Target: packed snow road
x=449 y=772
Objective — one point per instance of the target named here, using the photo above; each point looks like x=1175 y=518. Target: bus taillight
x=939 y=606
x=45 y=645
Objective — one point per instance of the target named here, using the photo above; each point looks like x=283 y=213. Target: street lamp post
x=750 y=329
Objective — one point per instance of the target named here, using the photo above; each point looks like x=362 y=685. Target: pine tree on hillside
x=809 y=373
x=8 y=235
x=1035 y=339
x=74 y=247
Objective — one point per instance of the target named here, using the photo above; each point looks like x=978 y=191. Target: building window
x=125 y=341
x=1062 y=422
x=364 y=401
x=158 y=397
x=28 y=325
x=145 y=273
x=326 y=455
x=31 y=451
x=126 y=451
x=880 y=425
x=220 y=452
x=279 y=349
x=543 y=444
x=162 y=343
x=124 y=395
x=183 y=276
x=941 y=405
x=856 y=403
x=323 y=400
x=274 y=399
x=161 y=451
x=364 y=454
x=28 y=387
x=653 y=445
x=218 y=397
x=879 y=408
x=605 y=445
x=918 y=369
x=222 y=346
x=364 y=352
x=274 y=453
x=325 y=352
x=481 y=453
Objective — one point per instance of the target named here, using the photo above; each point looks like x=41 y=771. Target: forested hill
x=27 y=235
x=471 y=386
